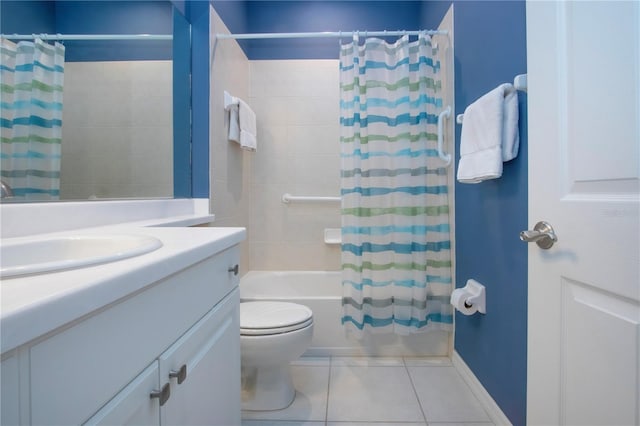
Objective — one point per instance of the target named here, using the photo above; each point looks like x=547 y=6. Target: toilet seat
x=266 y=318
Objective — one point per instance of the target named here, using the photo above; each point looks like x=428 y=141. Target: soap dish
x=332 y=236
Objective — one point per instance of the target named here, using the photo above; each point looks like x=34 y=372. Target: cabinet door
x=9 y=403
x=209 y=394
x=133 y=405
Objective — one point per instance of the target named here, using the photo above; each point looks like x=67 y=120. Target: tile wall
x=297 y=108
x=231 y=167
x=117 y=137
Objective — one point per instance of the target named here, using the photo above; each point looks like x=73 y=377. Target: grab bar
x=446 y=113
x=287 y=198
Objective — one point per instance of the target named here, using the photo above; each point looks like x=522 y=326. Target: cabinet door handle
x=234 y=269
x=163 y=395
x=180 y=374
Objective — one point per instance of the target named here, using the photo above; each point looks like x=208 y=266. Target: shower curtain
x=396 y=262
x=31 y=79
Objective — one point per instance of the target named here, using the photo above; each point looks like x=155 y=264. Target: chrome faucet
x=5 y=190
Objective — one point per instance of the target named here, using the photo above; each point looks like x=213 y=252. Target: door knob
x=542 y=234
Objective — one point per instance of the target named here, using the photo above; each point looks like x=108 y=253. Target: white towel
x=247 y=127
x=242 y=122
x=489 y=135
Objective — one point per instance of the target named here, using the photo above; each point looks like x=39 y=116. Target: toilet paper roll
x=458 y=298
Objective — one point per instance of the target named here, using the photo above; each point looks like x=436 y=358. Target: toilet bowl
x=272 y=334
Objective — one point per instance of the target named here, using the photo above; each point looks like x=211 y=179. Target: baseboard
x=493 y=410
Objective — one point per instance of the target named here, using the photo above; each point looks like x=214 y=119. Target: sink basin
x=55 y=254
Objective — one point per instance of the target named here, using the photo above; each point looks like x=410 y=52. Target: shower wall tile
x=273 y=170
x=307 y=169
x=231 y=167
x=320 y=139
x=297 y=108
x=274 y=141
x=295 y=78
x=314 y=110
x=121 y=143
x=267 y=256
x=270 y=110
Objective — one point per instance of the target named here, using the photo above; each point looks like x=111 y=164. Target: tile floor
x=340 y=391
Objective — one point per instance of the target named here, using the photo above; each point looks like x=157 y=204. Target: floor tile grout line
x=415 y=392
x=326 y=408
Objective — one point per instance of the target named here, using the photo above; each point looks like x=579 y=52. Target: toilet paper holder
x=477 y=296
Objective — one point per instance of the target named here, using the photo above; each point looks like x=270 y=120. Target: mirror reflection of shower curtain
x=396 y=258
x=32 y=79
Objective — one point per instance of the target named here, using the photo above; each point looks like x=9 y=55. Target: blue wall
x=124 y=17
x=198 y=16
x=95 y=17
x=19 y=17
x=304 y=16
x=182 y=181
x=490 y=49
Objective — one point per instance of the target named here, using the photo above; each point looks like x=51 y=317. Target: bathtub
x=321 y=291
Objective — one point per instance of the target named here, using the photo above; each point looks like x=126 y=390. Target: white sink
x=55 y=254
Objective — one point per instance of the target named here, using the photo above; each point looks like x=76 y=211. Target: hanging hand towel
x=231 y=104
x=247 y=127
x=242 y=122
x=489 y=135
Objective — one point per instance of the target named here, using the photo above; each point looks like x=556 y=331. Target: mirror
x=125 y=116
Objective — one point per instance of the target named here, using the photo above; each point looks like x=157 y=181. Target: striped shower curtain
x=31 y=80
x=396 y=258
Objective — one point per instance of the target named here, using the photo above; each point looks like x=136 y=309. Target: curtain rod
x=334 y=34
x=88 y=36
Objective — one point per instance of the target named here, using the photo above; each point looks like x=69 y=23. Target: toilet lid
x=264 y=317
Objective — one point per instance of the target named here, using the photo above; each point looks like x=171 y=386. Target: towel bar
x=519 y=82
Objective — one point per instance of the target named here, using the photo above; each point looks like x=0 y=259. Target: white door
x=583 y=61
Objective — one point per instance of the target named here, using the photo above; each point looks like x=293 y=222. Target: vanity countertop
x=32 y=306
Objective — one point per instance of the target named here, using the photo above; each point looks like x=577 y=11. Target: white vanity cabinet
x=103 y=368
x=203 y=368
x=191 y=381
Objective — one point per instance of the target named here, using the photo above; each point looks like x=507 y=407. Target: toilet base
x=266 y=388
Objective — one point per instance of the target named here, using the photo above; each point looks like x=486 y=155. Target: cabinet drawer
x=76 y=371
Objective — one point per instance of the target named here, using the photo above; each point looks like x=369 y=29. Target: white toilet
x=272 y=334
